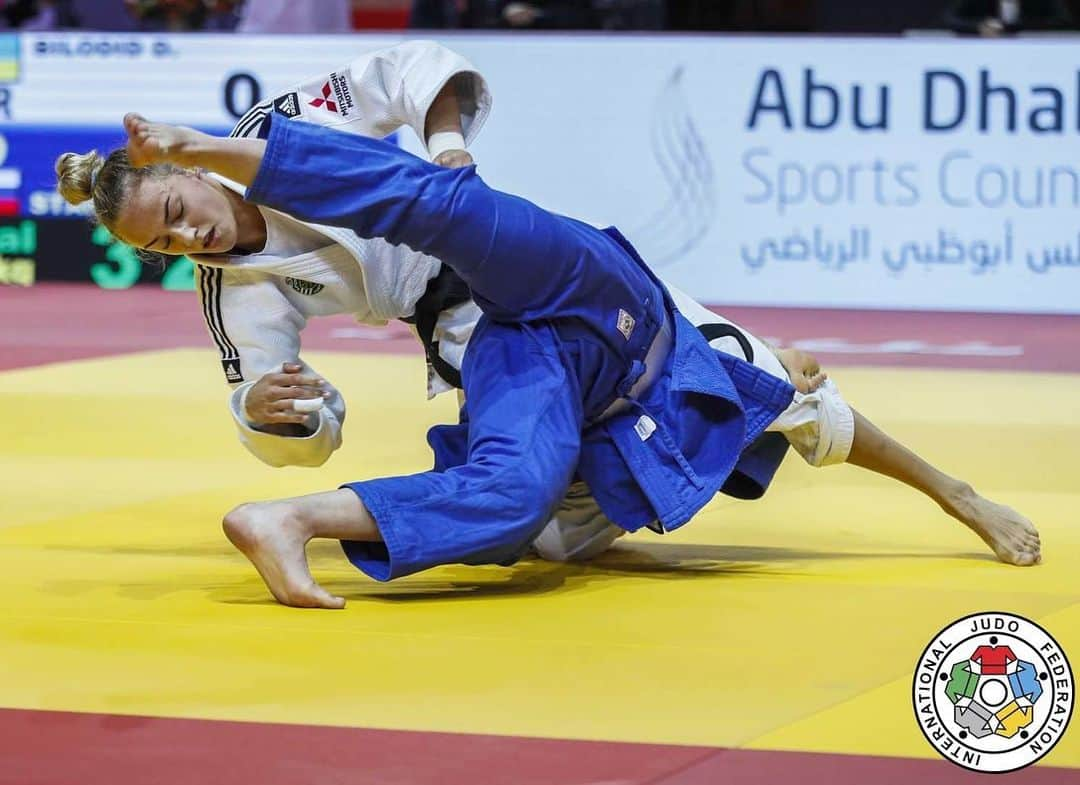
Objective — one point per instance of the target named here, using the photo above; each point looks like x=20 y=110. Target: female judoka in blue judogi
x=582 y=365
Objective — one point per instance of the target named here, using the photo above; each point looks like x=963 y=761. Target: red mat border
x=65 y=748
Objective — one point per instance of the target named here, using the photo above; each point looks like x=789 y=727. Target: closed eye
x=165 y=215
x=168 y=240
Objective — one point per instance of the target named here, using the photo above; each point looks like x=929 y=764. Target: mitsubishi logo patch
x=331 y=106
x=625 y=324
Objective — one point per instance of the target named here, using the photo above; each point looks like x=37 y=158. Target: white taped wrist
x=442 y=141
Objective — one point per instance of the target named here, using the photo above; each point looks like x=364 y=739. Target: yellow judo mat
x=792 y=623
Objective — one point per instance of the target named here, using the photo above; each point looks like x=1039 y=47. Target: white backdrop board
x=930 y=173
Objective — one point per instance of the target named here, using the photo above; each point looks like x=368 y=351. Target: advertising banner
x=59 y=249
x=907 y=173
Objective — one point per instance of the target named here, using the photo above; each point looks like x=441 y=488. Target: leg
x=273 y=536
x=1010 y=535
x=523 y=444
x=490 y=497
x=824 y=429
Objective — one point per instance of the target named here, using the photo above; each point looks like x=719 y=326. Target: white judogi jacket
x=256 y=305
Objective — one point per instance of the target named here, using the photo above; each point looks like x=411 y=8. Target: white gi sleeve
x=256 y=330
x=384 y=90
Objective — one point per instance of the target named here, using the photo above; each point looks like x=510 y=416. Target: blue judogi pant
x=548 y=357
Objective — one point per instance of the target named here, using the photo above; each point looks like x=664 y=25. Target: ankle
x=957 y=499
x=189 y=149
x=293 y=520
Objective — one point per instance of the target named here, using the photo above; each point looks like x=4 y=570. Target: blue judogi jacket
x=708 y=409
x=704 y=433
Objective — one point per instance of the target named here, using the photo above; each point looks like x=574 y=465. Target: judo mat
x=766 y=641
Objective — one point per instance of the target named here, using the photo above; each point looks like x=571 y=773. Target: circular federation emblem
x=993 y=692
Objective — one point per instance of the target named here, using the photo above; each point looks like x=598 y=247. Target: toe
x=1024 y=559
x=327 y=600
x=315 y=596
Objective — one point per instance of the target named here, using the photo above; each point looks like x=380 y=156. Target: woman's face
x=181 y=213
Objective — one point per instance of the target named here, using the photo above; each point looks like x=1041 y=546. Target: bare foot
x=1009 y=534
x=151 y=143
x=803 y=369
x=270 y=535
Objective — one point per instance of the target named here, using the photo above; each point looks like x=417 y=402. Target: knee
x=820 y=426
x=527 y=499
x=529 y=508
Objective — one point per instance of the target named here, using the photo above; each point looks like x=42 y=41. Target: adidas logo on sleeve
x=288 y=105
x=231 y=366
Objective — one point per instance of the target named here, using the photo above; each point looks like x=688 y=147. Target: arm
x=257 y=331
x=443 y=134
x=419 y=84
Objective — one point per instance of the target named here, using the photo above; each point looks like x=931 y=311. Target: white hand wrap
x=442 y=141
x=307 y=404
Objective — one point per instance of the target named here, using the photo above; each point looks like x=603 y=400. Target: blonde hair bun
x=75 y=175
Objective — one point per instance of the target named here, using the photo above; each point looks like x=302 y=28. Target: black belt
x=444 y=291
x=714 y=330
